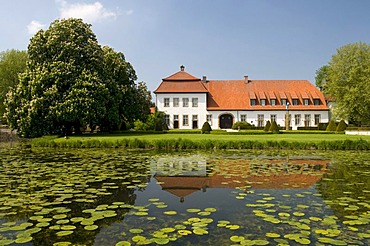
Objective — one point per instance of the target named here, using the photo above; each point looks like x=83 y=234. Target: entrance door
x=226 y=121
x=195 y=121
x=175 y=122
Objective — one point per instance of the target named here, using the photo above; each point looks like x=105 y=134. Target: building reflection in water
x=185 y=175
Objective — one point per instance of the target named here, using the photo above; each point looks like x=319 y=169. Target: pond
x=118 y=197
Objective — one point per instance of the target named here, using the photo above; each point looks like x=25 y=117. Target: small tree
x=341 y=126
x=274 y=127
x=267 y=126
x=332 y=126
x=206 y=128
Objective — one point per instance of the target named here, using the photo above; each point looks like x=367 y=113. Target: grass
x=210 y=141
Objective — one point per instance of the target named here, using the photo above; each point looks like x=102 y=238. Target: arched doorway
x=226 y=121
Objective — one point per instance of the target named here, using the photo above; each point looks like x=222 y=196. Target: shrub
x=206 y=128
x=267 y=126
x=274 y=127
x=242 y=125
x=322 y=126
x=341 y=126
x=332 y=126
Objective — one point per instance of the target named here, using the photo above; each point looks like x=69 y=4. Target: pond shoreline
x=204 y=144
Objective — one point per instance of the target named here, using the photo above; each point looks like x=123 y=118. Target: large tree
x=321 y=76
x=12 y=63
x=70 y=82
x=348 y=82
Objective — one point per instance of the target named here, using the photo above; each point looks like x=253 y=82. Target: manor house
x=189 y=101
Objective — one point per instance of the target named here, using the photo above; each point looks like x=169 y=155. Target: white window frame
x=167 y=119
x=194 y=102
x=185 y=120
x=166 y=102
x=176 y=102
x=283 y=102
x=253 y=102
x=243 y=118
x=185 y=102
x=209 y=119
x=273 y=117
x=263 y=102
x=305 y=102
x=297 y=119
x=273 y=102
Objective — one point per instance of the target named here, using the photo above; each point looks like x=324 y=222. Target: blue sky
x=264 y=39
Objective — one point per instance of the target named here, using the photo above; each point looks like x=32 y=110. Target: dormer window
x=283 y=102
x=253 y=102
x=273 y=102
x=305 y=102
x=295 y=101
x=316 y=102
x=263 y=102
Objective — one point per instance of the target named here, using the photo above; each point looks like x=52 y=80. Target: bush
x=274 y=127
x=341 y=126
x=322 y=126
x=242 y=125
x=206 y=128
x=332 y=126
x=267 y=126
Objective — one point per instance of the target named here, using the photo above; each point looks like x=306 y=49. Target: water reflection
x=184 y=175
x=103 y=197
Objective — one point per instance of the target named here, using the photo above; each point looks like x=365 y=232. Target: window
x=263 y=102
x=297 y=119
x=295 y=101
x=317 y=119
x=316 y=102
x=273 y=102
x=195 y=117
x=209 y=119
x=307 y=120
x=167 y=119
x=261 y=120
x=273 y=118
x=166 y=102
x=194 y=102
x=185 y=120
x=283 y=102
x=305 y=102
x=176 y=102
x=185 y=102
x=253 y=102
x=243 y=117
x=176 y=117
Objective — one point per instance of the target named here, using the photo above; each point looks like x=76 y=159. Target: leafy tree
x=206 y=128
x=341 y=126
x=349 y=82
x=72 y=82
x=322 y=76
x=332 y=126
x=274 y=127
x=154 y=122
x=12 y=63
x=267 y=126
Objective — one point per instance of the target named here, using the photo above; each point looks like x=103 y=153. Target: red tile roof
x=181 y=82
x=236 y=94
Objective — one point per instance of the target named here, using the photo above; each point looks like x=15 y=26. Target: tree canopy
x=72 y=82
x=348 y=82
x=12 y=62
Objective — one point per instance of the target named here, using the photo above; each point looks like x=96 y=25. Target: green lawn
x=199 y=137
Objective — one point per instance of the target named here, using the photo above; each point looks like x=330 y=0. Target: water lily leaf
x=193 y=210
x=123 y=243
x=136 y=230
x=272 y=235
x=91 y=227
x=184 y=232
x=170 y=212
x=64 y=233
x=23 y=239
x=237 y=239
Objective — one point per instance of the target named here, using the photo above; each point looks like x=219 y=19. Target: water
x=117 y=197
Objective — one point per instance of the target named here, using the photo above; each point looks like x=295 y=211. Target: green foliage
x=267 y=126
x=332 y=126
x=154 y=122
x=274 y=128
x=12 y=63
x=242 y=125
x=322 y=76
x=72 y=82
x=341 y=126
x=206 y=128
x=348 y=82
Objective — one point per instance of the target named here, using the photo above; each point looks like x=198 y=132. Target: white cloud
x=34 y=27
x=88 y=12
x=129 y=12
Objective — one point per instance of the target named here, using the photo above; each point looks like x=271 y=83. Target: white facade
x=193 y=116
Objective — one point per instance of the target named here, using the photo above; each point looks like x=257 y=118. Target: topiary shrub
x=332 y=127
x=341 y=126
x=274 y=127
x=206 y=128
x=267 y=126
x=242 y=125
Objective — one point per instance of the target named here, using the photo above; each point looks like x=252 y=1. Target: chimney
x=246 y=79
x=204 y=79
x=182 y=68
